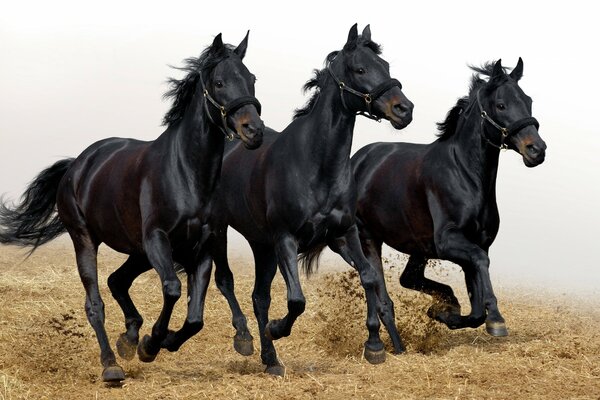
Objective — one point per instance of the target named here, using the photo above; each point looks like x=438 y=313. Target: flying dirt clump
x=342 y=316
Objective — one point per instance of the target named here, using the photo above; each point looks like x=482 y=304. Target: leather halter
x=505 y=132
x=227 y=109
x=367 y=97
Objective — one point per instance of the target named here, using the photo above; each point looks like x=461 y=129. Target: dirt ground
x=49 y=351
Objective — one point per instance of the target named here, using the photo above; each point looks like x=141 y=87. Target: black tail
x=310 y=259
x=34 y=221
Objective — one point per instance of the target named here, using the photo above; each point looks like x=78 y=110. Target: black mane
x=182 y=90
x=318 y=81
x=448 y=126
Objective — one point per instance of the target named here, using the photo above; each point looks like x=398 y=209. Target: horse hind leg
x=446 y=307
x=242 y=341
x=119 y=283
x=86 y=254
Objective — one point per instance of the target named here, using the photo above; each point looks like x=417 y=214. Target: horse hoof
x=243 y=345
x=125 y=347
x=375 y=356
x=496 y=329
x=276 y=370
x=113 y=374
x=143 y=354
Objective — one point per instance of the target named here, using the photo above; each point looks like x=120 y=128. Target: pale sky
x=71 y=74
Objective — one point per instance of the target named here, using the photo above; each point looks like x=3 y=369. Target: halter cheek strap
x=367 y=97
x=227 y=109
x=505 y=132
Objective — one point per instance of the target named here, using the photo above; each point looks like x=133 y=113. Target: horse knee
x=172 y=290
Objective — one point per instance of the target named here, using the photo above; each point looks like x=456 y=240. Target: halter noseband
x=510 y=130
x=227 y=109
x=367 y=97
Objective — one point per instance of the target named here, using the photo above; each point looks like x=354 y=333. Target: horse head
x=507 y=117
x=364 y=80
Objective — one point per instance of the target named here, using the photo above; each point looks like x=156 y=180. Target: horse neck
x=477 y=158
x=194 y=146
x=327 y=140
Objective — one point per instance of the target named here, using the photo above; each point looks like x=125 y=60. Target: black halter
x=510 y=130
x=368 y=97
x=227 y=109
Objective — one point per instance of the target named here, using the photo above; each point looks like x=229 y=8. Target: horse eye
x=219 y=84
x=500 y=106
x=360 y=71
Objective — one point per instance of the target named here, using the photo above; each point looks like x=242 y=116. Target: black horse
x=147 y=199
x=296 y=194
x=439 y=200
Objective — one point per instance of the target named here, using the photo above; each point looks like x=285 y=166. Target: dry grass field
x=48 y=350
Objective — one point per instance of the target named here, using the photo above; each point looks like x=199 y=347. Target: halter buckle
x=342 y=85
x=368 y=98
x=205 y=93
x=223 y=111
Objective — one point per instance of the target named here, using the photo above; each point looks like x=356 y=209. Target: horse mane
x=182 y=90
x=320 y=76
x=447 y=128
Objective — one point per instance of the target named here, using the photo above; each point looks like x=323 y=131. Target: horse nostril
x=249 y=129
x=403 y=108
x=533 y=150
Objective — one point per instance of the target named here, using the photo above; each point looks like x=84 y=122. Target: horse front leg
x=198 y=279
x=265 y=264
x=452 y=245
x=413 y=277
x=378 y=300
x=159 y=252
x=286 y=250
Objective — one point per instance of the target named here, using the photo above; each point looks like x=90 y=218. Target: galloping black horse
x=439 y=200
x=296 y=194
x=147 y=199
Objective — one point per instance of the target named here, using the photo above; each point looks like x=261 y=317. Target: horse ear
x=241 y=49
x=366 y=33
x=517 y=73
x=352 y=36
x=498 y=70
x=218 y=42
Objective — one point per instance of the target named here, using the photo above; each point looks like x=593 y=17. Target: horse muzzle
x=249 y=126
x=532 y=148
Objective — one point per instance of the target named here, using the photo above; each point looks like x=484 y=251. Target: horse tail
x=309 y=259
x=34 y=221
